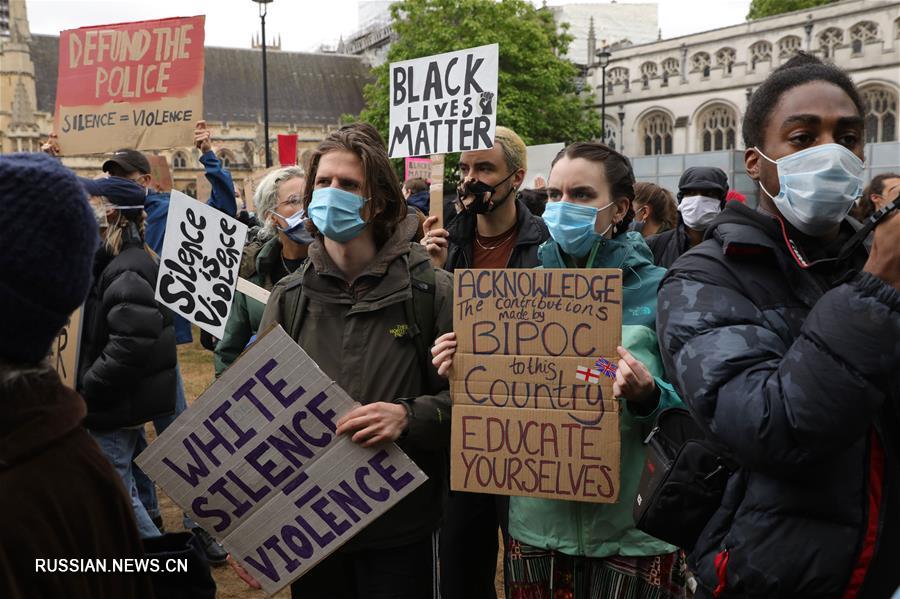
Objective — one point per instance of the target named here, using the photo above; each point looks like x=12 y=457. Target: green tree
x=536 y=96
x=770 y=8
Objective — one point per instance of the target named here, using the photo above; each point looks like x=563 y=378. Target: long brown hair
x=380 y=186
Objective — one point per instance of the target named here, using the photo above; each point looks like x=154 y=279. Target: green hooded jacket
x=596 y=529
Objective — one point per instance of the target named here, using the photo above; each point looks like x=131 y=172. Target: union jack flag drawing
x=606 y=368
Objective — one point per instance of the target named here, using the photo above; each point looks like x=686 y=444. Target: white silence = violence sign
x=199 y=265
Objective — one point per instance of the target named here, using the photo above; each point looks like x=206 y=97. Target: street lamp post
x=603 y=61
x=621 y=128
x=263 y=9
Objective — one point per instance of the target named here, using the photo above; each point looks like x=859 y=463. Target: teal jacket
x=596 y=529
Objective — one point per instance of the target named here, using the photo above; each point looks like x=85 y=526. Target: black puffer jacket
x=669 y=245
x=532 y=233
x=796 y=373
x=127 y=366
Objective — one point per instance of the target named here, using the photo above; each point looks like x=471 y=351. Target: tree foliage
x=537 y=97
x=770 y=8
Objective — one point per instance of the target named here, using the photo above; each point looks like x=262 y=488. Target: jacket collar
x=530 y=227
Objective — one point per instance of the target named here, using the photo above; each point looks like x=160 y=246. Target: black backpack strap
x=295 y=303
x=419 y=310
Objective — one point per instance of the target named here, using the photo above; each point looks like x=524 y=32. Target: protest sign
x=65 y=350
x=539 y=159
x=251 y=183
x=253 y=290
x=436 y=190
x=287 y=149
x=256 y=462
x=133 y=85
x=160 y=175
x=199 y=265
x=417 y=168
x=533 y=408
x=444 y=103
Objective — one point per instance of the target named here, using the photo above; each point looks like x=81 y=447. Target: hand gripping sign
x=256 y=462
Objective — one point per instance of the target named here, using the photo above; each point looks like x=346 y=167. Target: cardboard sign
x=66 y=348
x=204 y=188
x=250 y=185
x=436 y=191
x=417 y=168
x=253 y=290
x=130 y=85
x=533 y=409
x=539 y=159
x=256 y=462
x=198 y=268
x=444 y=103
x=160 y=175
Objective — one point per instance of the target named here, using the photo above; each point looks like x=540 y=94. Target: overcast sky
x=305 y=24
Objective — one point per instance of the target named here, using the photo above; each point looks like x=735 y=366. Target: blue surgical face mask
x=572 y=226
x=818 y=186
x=296 y=227
x=336 y=213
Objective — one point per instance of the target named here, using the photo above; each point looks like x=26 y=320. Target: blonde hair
x=514 y=151
x=115 y=230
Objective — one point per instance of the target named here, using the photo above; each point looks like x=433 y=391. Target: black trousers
x=469 y=544
x=406 y=572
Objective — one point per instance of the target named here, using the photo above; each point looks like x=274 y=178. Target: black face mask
x=479 y=189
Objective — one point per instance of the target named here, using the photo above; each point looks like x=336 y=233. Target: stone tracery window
x=700 y=62
x=863 y=33
x=717 y=127
x=788 y=46
x=656 y=133
x=829 y=40
x=761 y=51
x=725 y=58
x=179 y=160
x=881 y=113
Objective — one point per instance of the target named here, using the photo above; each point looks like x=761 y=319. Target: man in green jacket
x=366 y=309
x=274 y=252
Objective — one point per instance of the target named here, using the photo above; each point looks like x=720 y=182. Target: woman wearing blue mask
x=783 y=333
x=589 y=550
x=272 y=252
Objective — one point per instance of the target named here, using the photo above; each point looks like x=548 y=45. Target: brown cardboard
x=531 y=344
x=160 y=175
x=130 y=85
x=256 y=462
x=535 y=453
x=66 y=348
x=204 y=188
x=252 y=182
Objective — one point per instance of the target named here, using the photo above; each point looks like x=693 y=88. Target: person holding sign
x=279 y=249
x=127 y=370
x=493 y=228
x=61 y=498
x=783 y=334
x=592 y=550
x=366 y=309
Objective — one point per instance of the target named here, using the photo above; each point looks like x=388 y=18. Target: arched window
x=725 y=58
x=617 y=76
x=611 y=132
x=881 y=113
x=179 y=160
x=788 y=46
x=248 y=153
x=227 y=158
x=656 y=133
x=830 y=40
x=717 y=127
x=700 y=62
x=863 y=33
x=648 y=72
x=191 y=190
x=670 y=68
x=760 y=52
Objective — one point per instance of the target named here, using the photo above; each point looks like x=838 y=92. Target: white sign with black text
x=444 y=103
x=198 y=268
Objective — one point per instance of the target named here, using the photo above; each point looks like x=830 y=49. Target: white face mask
x=698 y=212
x=817 y=186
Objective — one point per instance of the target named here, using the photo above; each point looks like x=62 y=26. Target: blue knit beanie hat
x=49 y=236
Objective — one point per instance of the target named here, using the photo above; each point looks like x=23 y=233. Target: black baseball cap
x=129 y=160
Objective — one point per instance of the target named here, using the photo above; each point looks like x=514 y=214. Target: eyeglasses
x=292 y=200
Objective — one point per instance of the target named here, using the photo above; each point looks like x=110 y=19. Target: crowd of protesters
x=776 y=327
